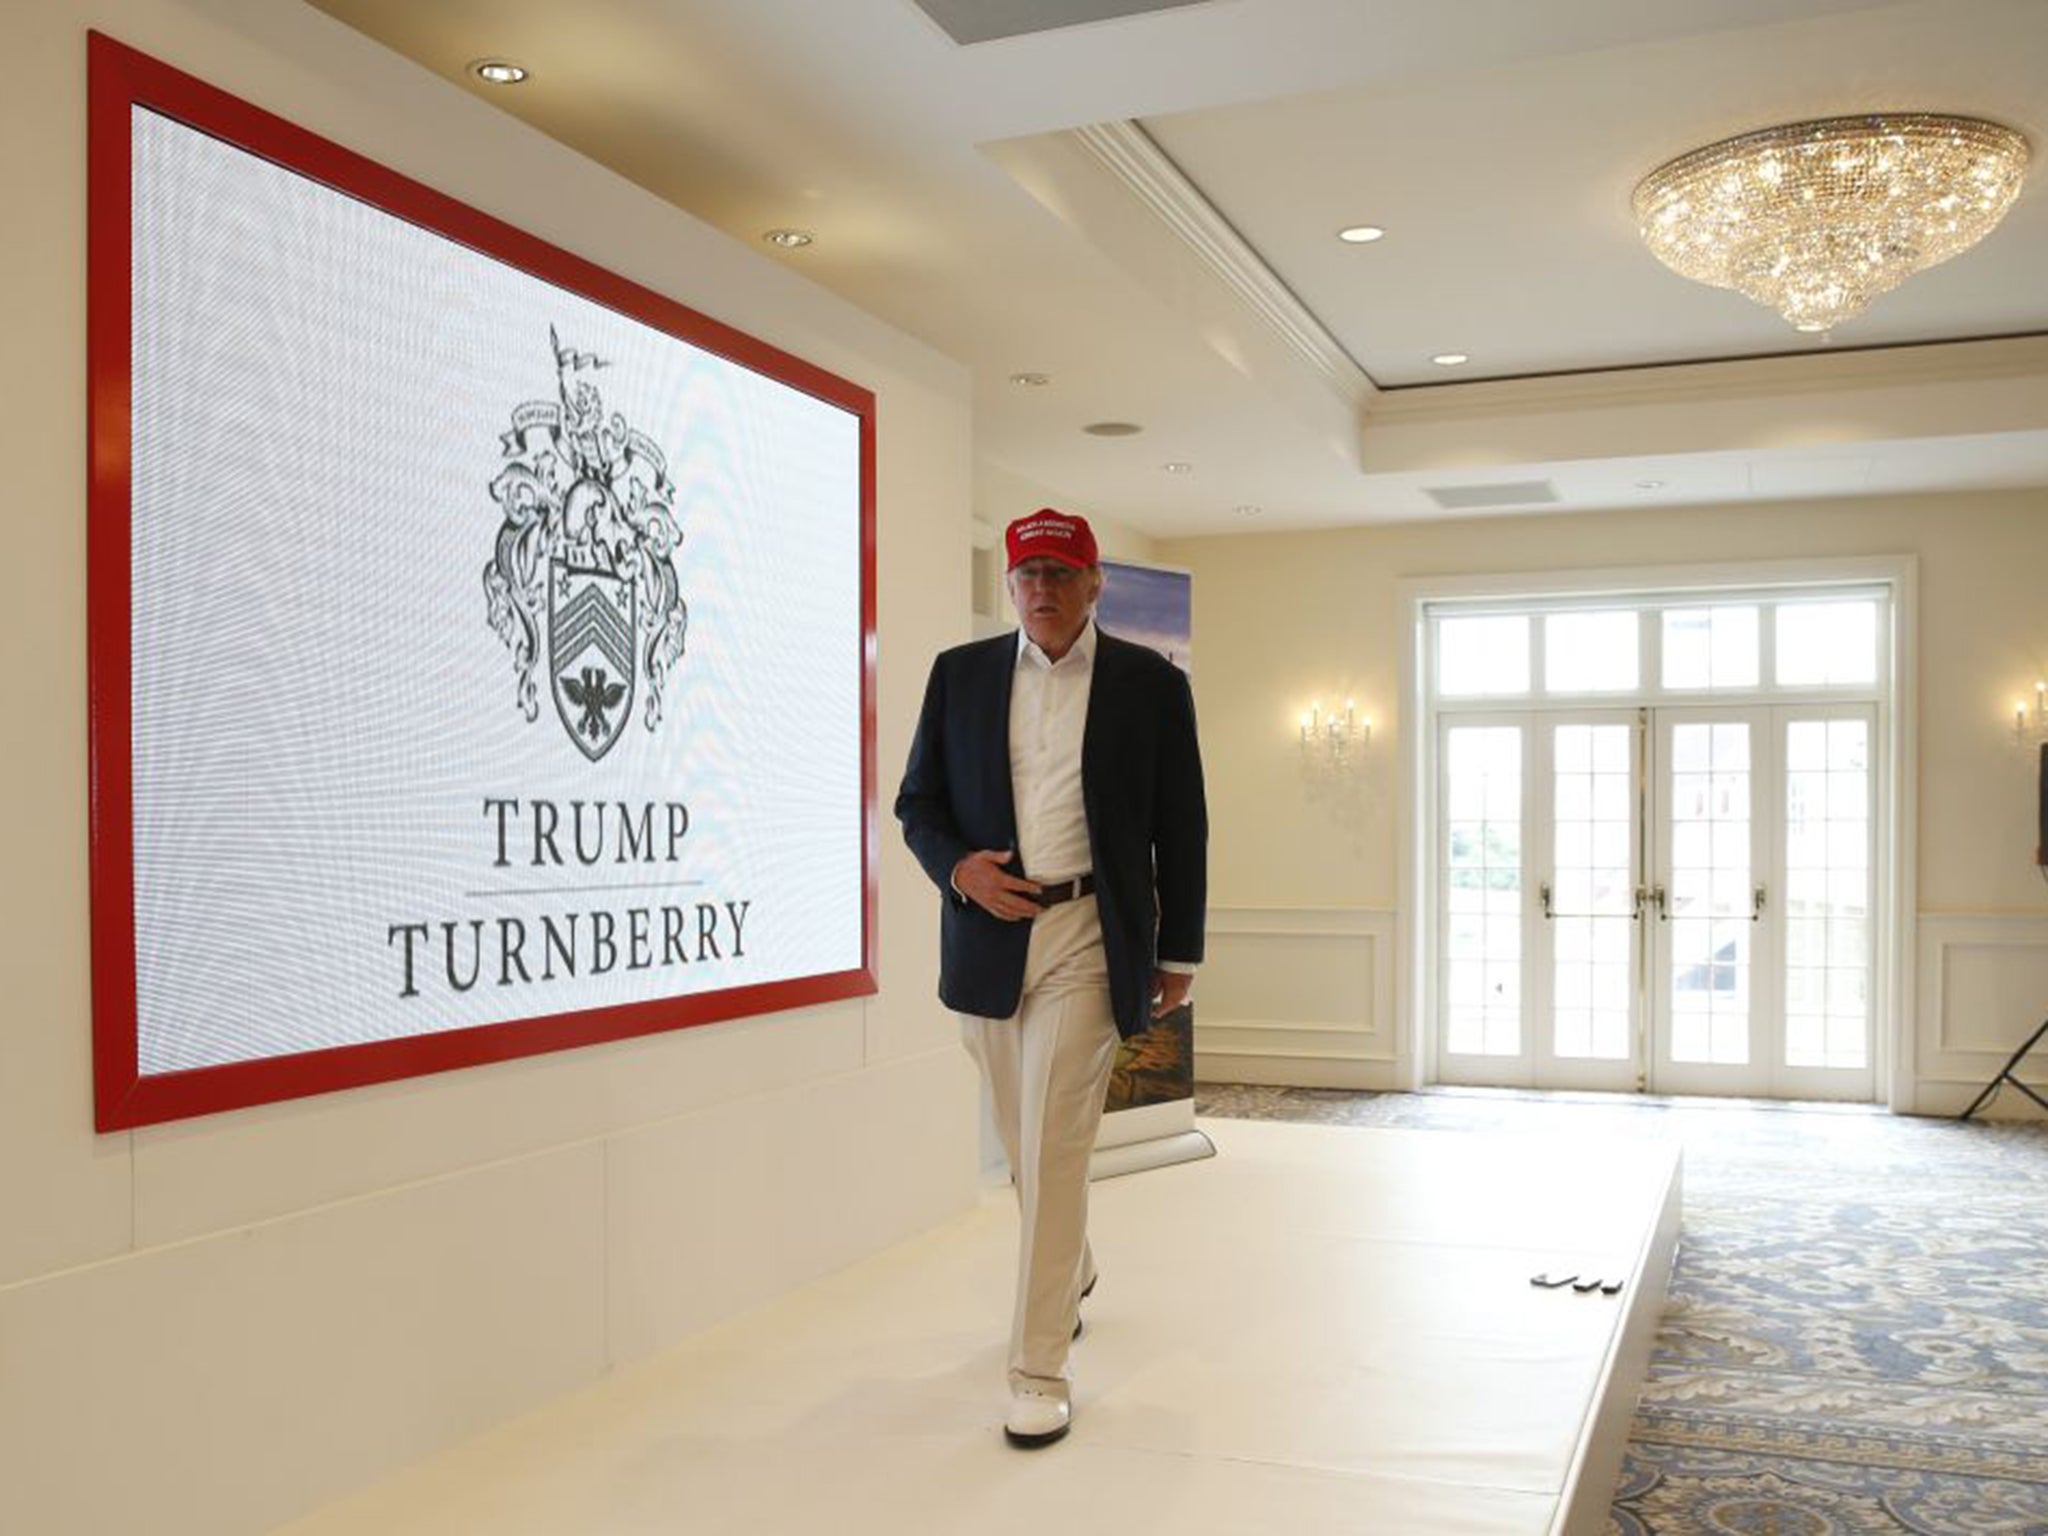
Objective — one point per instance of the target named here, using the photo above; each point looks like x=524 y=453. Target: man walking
x=1054 y=796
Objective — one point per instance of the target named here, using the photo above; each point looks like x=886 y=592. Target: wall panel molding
x=1983 y=988
x=1299 y=996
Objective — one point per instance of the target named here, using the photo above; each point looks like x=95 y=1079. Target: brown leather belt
x=1065 y=890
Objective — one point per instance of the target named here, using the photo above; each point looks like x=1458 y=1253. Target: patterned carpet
x=1856 y=1338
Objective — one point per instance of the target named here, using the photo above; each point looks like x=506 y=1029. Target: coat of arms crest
x=584 y=568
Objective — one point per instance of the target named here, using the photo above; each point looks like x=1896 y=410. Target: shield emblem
x=590 y=654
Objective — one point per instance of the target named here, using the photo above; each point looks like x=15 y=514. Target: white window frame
x=1894 y=825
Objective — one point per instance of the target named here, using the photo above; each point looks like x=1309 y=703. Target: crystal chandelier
x=1817 y=219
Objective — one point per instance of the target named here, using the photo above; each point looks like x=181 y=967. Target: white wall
x=1304 y=882
x=210 y=1326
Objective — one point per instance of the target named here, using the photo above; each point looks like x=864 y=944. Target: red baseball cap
x=1050 y=535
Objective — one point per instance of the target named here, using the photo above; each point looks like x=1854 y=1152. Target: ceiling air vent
x=983 y=21
x=1506 y=493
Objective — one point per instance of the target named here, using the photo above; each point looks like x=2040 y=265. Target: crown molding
x=1129 y=154
x=1997 y=359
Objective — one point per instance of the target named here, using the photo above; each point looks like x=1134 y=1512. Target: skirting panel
x=1983 y=983
x=239 y=1379
x=1298 y=995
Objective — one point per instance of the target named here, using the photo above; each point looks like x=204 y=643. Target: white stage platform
x=1321 y=1329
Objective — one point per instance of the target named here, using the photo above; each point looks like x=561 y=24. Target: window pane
x=1710 y=647
x=1483 y=870
x=1482 y=656
x=1589 y=652
x=1710 y=894
x=1827 y=910
x=1825 y=644
x=1594 y=859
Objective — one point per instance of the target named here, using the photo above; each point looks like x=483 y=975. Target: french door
x=1672 y=898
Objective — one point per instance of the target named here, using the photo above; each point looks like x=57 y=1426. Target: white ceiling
x=1174 y=262
x=1506 y=191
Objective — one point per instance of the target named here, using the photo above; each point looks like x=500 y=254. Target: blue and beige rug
x=1856 y=1338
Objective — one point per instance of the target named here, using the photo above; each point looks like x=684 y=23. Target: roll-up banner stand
x=1149 y=1120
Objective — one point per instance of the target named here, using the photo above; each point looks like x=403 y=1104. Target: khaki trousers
x=1047 y=1071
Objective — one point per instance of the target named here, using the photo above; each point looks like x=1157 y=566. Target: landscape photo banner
x=481 y=644
x=1152 y=605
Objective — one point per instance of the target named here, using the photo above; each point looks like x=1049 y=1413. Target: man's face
x=1053 y=601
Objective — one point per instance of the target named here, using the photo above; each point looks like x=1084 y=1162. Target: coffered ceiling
x=1141 y=202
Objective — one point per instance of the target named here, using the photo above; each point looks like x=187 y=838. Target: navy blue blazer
x=1141 y=788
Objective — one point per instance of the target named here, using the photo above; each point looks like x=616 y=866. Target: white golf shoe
x=1038 y=1416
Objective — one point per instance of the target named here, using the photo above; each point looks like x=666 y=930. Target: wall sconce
x=1336 y=736
x=2030 y=724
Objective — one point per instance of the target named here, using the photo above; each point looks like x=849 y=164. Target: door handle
x=1544 y=895
x=1756 y=905
x=1654 y=895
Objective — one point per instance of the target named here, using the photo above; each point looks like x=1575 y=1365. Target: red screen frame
x=119 y=79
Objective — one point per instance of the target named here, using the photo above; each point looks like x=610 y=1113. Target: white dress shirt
x=1048 y=719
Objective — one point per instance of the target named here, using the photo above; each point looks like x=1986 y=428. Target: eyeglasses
x=1046 y=573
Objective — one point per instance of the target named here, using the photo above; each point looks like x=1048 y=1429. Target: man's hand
x=980 y=877
x=1169 y=990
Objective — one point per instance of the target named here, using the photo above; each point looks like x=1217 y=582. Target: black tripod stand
x=2005 y=1076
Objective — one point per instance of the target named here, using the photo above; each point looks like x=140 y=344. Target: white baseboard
x=1295 y=1071
x=1946 y=1100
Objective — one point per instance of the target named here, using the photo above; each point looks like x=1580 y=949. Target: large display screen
x=482 y=645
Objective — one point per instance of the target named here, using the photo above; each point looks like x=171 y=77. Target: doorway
x=1673 y=889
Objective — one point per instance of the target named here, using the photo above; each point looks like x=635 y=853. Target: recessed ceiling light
x=1112 y=429
x=1649 y=485
x=1176 y=467
x=1450 y=359
x=789 y=239
x=1031 y=380
x=1247 y=511
x=498 y=71
x=1361 y=234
